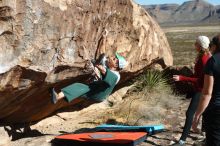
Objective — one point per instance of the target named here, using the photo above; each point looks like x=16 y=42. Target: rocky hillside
x=46 y=43
x=190 y=12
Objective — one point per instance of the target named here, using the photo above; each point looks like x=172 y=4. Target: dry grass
x=148 y=102
x=140 y=108
x=181 y=40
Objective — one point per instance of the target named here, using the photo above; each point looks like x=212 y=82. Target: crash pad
x=102 y=138
x=150 y=129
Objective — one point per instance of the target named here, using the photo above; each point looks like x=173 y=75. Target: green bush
x=150 y=81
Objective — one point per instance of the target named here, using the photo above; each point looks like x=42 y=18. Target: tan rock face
x=45 y=43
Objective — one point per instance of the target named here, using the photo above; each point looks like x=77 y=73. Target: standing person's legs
x=212 y=127
x=189 y=115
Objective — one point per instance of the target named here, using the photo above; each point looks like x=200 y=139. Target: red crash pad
x=130 y=138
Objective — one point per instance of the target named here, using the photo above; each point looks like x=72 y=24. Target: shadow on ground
x=18 y=131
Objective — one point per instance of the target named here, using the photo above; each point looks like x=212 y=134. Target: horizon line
x=180 y=3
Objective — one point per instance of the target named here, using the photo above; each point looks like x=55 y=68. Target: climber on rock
x=106 y=77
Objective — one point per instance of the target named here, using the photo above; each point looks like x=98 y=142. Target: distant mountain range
x=190 y=12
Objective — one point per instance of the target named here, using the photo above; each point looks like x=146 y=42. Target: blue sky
x=149 y=2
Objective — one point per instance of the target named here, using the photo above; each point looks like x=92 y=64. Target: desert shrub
x=151 y=81
x=149 y=99
x=150 y=109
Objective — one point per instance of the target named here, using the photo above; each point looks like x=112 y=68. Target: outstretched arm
x=184 y=78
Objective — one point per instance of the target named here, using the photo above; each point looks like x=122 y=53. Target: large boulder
x=46 y=43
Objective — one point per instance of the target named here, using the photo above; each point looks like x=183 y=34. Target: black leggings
x=190 y=114
x=212 y=126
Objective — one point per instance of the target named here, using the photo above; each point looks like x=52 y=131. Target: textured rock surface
x=4 y=137
x=45 y=43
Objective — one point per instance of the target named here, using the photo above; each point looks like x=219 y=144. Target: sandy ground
x=68 y=122
x=183 y=29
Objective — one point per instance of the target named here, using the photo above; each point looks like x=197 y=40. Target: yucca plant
x=150 y=81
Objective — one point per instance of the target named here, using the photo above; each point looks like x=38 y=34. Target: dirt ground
x=68 y=122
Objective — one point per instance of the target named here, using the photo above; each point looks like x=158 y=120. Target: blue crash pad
x=150 y=129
